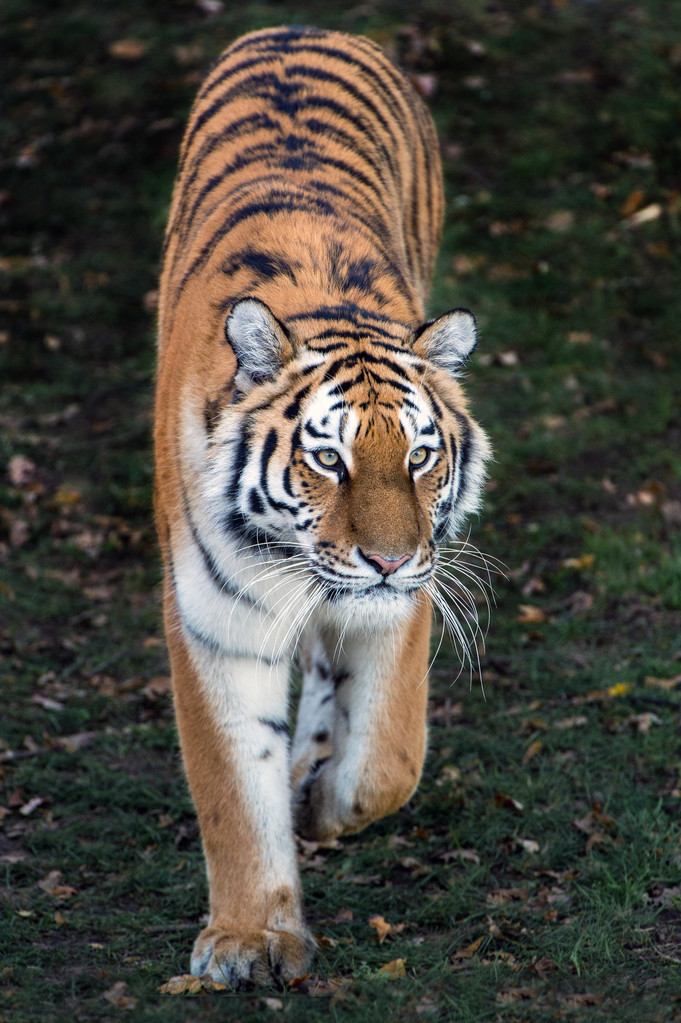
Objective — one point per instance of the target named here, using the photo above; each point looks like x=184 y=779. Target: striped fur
x=313 y=448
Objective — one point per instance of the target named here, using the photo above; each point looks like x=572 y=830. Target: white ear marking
x=259 y=341
x=449 y=340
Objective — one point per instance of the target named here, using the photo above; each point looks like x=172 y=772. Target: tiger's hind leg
x=361 y=735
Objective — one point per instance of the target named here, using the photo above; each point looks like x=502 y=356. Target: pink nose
x=386 y=566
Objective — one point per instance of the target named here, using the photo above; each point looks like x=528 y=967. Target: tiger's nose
x=386 y=566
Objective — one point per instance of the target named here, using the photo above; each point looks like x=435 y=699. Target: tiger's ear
x=447 y=341
x=259 y=341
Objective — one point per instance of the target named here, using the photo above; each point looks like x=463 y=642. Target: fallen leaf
x=416 y=868
x=560 y=221
x=528 y=844
x=579 y=602
x=662 y=683
x=72 y=743
x=532 y=751
x=586 y=561
x=577 y=1000
x=502 y=896
x=517 y=994
x=578 y=721
x=30 y=806
x=52 y=885
x=467 y=855
x=183 y=984
x=383 y=928
x=633 y=202
x=469 y=951
x=644 y=216
x=425 y=84
x=529 y=614
x=579 y=337
x=128 y=49
x=21 y=470
x=504 y=802
x=344 y=916
x=507 y=358
x=116 y=996
x=643 y=722
x=394 y=969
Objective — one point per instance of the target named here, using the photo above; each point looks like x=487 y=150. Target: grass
x=536 y=872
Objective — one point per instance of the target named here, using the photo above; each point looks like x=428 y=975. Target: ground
x=536 y=873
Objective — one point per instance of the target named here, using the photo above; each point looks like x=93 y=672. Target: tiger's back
x=313 y=446
x=309 y=169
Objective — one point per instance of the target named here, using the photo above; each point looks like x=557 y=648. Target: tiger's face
x=362 y=458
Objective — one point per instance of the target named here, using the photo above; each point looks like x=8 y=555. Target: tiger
x=313 y=450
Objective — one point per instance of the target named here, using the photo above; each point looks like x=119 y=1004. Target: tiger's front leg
x=232 y=721
x=363 y=758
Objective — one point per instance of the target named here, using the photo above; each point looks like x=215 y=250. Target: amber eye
x=327 y=457
x=418 y=456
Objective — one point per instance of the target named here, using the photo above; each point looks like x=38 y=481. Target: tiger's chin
x=371 y=609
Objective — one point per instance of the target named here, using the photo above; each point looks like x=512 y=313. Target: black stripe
x=347 y=385
x=221 y=581
x=268 y=450
x=230 y=132
x=277 y=725
x=343 y=311
x=278 y=203
x=292 y=409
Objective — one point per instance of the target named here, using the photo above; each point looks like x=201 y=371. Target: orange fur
x=301 y=241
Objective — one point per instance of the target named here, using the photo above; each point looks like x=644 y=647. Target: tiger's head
x=352 y=446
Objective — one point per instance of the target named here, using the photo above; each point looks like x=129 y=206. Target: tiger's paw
x=252 y=959
x=320 y=816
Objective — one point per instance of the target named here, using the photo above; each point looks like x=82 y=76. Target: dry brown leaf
x=662 y=683
x=183 y=984
x=560 y=221
x=644 y=216
x=116 y=996
x=128 y=49
x=643 y=722
x=504 y=802
x=426 y=85
x=517 y=994
x=586 y=561
x=532 y=751
x=633 y=202
x=467 y=855
x=577 y=1000
x=394 y=969
x=507 y=358
x=30 y=806
x=579 y=337
x=21 y=470
x=383 y=928
x=469 y=951
x=529 y=614
x=505 y=895
x=52 y=885
x=528 y=844
x=578 y=721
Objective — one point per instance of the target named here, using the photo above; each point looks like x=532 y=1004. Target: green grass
x=536 y=871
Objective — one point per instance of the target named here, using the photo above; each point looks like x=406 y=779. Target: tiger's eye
x=418 y=456
x=327 y=457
